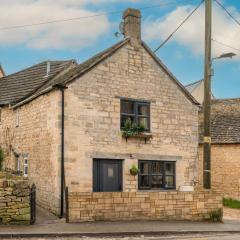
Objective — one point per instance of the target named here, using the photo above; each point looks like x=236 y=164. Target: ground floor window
x=107 y=175
x=157 y=175
x=25 y=167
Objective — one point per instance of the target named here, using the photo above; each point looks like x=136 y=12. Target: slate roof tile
x=225 y=121
x=20 y=84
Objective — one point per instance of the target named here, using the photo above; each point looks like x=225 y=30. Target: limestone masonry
x=14 y=199
x=143 y=205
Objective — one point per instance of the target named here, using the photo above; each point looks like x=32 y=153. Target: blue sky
x=183 y=55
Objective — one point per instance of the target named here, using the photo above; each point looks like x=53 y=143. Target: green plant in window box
x=134 y=170
x=132 y=129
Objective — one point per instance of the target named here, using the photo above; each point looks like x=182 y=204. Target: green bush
x=216 y=215
x=231 y=203
x=1 y=158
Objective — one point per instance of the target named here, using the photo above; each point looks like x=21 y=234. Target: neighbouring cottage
x=86 y=126
x=225 y=133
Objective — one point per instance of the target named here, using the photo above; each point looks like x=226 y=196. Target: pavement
x=48 y=225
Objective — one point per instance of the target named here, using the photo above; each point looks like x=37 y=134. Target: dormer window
x=137 y=111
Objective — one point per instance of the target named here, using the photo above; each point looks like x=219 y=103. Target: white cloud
x=191 y=34
x=75 y=34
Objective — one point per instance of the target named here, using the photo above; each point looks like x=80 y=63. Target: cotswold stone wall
x=225 y=169
x=37 y=137
x=143 y=205
x=14 y=200
x=92 y=123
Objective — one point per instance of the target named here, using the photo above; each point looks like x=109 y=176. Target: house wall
x=225 y=169
x=36 y=137
x=92 y=126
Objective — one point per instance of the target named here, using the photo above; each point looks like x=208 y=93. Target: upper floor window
x=137 y=111
x=156 y=175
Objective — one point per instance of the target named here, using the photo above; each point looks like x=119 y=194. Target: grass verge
x=231 y=203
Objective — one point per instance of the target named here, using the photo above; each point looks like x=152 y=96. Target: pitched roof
x=86 y=66
x=2 y=72
x=19 y=85
x=197 y=90
x=225 y=124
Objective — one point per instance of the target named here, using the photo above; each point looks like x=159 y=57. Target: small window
x=17 y=164
x=137 y=111
x=156 y=175
x=25 y=167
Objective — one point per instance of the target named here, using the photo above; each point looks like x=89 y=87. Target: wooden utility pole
x=207 y=97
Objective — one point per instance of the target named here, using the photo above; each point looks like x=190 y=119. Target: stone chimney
x=132 y=24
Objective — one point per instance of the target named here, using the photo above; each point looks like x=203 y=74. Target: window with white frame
x=17 y=164
x=17 y=118
x=25 y=167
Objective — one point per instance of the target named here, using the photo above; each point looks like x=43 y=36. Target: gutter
x=62 y=88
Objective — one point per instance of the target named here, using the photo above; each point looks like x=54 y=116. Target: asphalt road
x=182 y=237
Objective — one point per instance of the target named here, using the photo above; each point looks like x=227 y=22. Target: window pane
x=124 y=118
x=144 y=168
x=144 y=181
x=169 y=168
x=169 y=181
x=143 y=110
x=157 y=167
x=157 y=181
x=127 y=107
x=143 y=121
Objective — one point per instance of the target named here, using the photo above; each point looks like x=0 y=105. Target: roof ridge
x=190 y=84
x=49 y=78
x=225 y=99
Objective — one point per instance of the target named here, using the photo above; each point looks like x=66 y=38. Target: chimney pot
x=132 y=23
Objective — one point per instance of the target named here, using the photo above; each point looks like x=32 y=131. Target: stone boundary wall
x=143 y=205
x=14 y=201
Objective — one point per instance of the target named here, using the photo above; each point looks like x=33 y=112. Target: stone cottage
x=225 y=133
x=86 y=126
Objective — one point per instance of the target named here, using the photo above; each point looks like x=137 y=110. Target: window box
x=143 y=135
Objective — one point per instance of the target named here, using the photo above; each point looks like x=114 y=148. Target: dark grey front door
x=107 y=175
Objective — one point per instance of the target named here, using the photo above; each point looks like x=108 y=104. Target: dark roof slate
x=19 y=85
x=225 y=121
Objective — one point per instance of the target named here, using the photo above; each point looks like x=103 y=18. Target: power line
x=226 y=45
x=78 y=18
x=181 y=24
x=228 y=13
